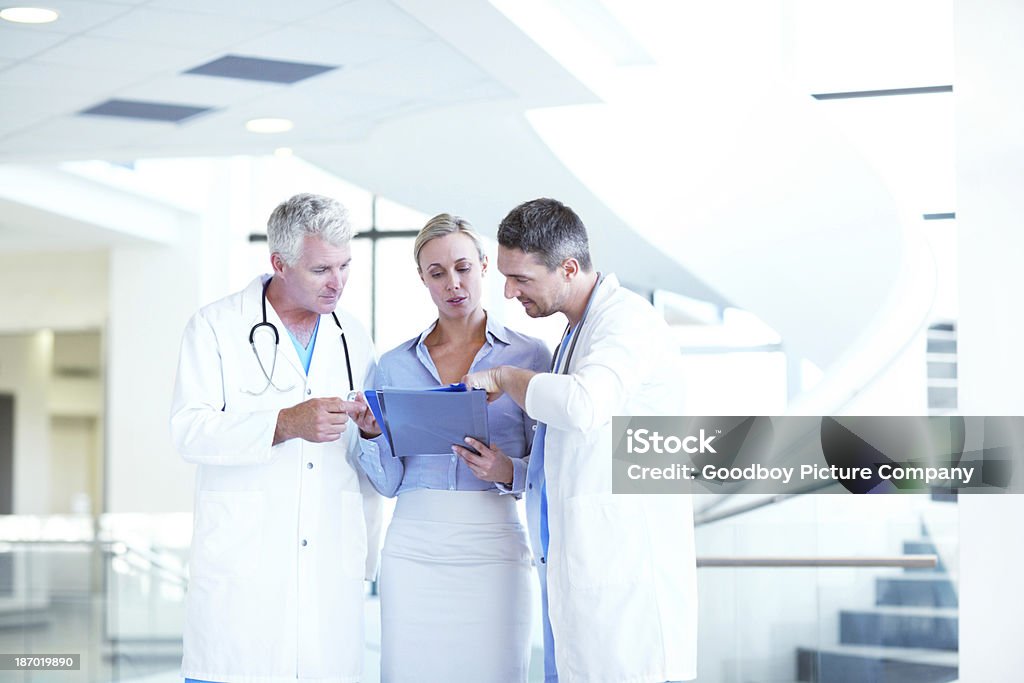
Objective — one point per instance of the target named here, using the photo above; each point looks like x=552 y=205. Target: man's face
x=541 y=292
x=315 y=282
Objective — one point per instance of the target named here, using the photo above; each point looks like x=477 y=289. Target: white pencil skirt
x=456 y=590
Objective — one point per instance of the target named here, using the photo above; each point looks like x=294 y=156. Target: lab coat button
x=530 y=486
x=543 y=561
x=309 y=465
x=304 y=543
x=308 y=392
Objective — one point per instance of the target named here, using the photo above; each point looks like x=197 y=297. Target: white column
x=990 y=174
x=153 y=291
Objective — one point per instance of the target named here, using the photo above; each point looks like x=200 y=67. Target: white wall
x=24 y=372
x=990 y=175
x=60 y=290
x=153 y=292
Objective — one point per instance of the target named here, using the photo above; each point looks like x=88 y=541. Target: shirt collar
x=495 y=331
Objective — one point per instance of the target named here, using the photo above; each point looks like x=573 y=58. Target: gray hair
x=445 y=224
x=306 y=214
x=549 y=229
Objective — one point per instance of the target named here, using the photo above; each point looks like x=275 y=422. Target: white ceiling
x=450 y=81
x=390 y=64
x=696 y=131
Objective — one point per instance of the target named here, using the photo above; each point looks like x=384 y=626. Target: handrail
x=903 y=561
x=111 y=547
x=701 y=519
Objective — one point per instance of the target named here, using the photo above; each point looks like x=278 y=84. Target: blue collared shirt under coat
x=409 y=366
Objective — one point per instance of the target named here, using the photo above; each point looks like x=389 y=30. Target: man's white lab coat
x=284 y=535
x=621 y=570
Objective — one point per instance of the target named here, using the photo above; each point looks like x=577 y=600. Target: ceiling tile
x=128 y=56
x=303 y=44
x=430 y=69
x=80 y=15
x=372 y=17
x=76 y=135
x=66 y=78
x=272 y=10
x=23 y=41
x=182 y=29
x=41 y=102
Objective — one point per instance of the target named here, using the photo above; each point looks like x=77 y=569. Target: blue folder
x=430 y=421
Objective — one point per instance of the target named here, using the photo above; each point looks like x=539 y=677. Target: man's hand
x=489 y=379
x=490 y=465
x=504 y=379
x=318 y=420
x=359 y=411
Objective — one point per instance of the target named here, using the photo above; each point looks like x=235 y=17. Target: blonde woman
x=455 y=585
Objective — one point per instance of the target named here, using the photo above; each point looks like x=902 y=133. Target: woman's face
x=451 y=268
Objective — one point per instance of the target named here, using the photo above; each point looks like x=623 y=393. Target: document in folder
x=429 y=421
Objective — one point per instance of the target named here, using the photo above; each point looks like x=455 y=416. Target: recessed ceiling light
x=269 y=125
x=284 y=152
x=28 y=15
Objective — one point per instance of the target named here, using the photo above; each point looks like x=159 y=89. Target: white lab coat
x=261 y=606
x=621 y=569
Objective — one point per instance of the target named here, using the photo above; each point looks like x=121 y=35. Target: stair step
x=947 y=345
x=915 y=590
x=915 y=627
x=860 y=663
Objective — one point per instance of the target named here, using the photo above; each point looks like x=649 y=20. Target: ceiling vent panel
x=145 y=111
x=257 y=69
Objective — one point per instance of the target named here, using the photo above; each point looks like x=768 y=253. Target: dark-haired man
x=618 y=572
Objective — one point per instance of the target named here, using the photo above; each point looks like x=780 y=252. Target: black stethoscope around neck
x=575 y=334
x=277 y=342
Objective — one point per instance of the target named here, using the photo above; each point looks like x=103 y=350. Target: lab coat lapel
x=324 y=364
x=253 y=312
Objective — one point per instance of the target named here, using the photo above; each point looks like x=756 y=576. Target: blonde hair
x=445 y=224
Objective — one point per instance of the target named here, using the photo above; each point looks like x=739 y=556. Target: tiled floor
x=76 y=625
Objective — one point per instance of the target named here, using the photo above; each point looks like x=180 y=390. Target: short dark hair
x=549 y=229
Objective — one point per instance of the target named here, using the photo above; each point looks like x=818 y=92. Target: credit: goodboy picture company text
x=830 y=455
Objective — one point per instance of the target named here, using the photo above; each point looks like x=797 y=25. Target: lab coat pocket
x=603 y=541
x=228 y=538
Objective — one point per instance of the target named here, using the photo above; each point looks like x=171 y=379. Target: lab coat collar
x=606 y=286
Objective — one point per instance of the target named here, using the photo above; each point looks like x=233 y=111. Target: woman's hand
x=490 y=465
x=359 y=410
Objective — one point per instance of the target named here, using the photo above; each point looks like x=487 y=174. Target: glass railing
x=866 y=591
x=818 y=588
x=67 y=588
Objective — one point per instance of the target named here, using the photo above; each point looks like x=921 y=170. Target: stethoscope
x=277 y=342
x=576 y=335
